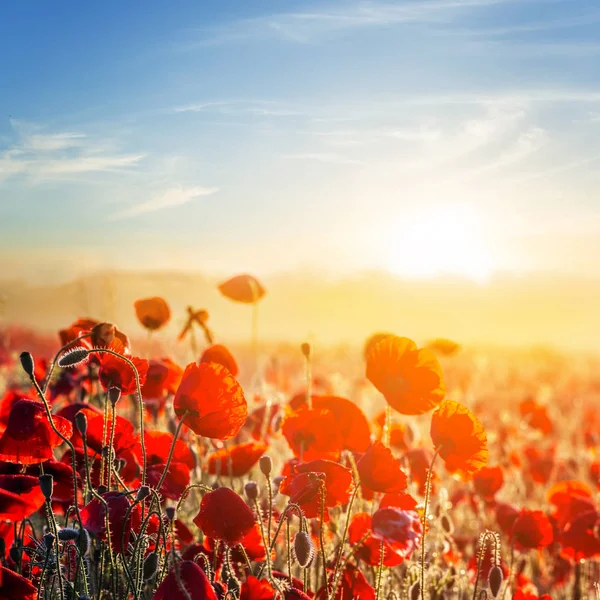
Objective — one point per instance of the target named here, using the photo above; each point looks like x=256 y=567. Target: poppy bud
x=447 y=524
x=46 y=485
x=114 y=394
x=170 y=511
x=305 y=348
x=81 y=423
x=303 y=549
x=266 y=465
x=142 y=493
x=414 y=591
x=495 y=580
x=27 y=363
x=251 y=489
x=84 y=541
x=48 y=541
x=150 y=566
x=68 y=534
x=73 y=357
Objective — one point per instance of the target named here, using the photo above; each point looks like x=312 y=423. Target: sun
x=448 y=240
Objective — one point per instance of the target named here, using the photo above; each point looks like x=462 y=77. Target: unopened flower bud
x=114 y=394
x=68 y=534
x=495 y=579
x=266 y=465
x=303 y=549
x=27 y=363
x=47 y=485
x=81 y=423
x=170 y=511
x=251 y=489
x=305 y=348
x=73 y=357
x=142 y=493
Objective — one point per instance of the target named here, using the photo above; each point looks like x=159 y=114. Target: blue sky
x=421 y=137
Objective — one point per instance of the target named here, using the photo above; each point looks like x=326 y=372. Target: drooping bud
x=73 y=357
x=47 y=485
x=414 y=591
x=447 y=524
x=68 y=534
x=266 y=465
x=114 y=394
x=170 y=511
x=27 y=363
x=251 y=489
x=150 y=566
x=495 y=579
x=306 y=349
x=303 y=549
x=81 y=423
x=142 y=493
x=49 y=540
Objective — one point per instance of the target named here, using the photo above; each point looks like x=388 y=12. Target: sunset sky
x=419 y=137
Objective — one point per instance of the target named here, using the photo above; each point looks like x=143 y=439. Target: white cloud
x=169 y=199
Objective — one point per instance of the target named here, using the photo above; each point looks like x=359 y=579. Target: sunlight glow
x=448 y=240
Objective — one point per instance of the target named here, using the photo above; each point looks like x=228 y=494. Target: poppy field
x=182 y=468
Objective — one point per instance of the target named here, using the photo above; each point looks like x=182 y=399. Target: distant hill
x=561 y=311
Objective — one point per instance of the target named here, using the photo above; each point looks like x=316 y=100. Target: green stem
x=425 y=518
x=171 y=451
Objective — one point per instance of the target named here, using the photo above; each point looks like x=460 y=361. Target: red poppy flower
x=354 y=585
x=351 y=420
x=571 y=498
x=369 y=550
x=304 y=486
x=506 y=515
x=541 y=463
x=15 y=587
x=401 y=435
x=532 y=529
x=313 y=433
x=163 y=377
x=103 y=335
x=27 y=488
x=152 y=313
x=460 y=438
x=237 y=460
x=224 y=516
x=399 y=528
x=10 y=398
x=115 y=372
x=401 y=500
x=13 y=507
x=380 y=471
x=220 y=354
x=93 y=517
x=214 y=401
x=255 y=589
x=193 y=579
x=28 y=437
x=75 y=330
x=410 y=379
x=488 y=482
x=123 y=439
x=535 y=415
x=158 y=445
x=255 y=423
x=579 y=538
x=174 y=484
x=242 y=288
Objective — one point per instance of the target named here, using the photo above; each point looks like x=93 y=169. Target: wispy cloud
x=171 y=198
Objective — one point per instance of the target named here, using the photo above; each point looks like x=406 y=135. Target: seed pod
x=303 y=549
x=150 y=566
x=266 y=465
x=170 y=511
x=306 y=349
x=114 y=394
x=495 y=580
x=142 y=493
x=27 y=363
x=81 y=423
x=68 y=534
x=251 y=489
x=414 y=591
x=47 y=485
x=73 y=357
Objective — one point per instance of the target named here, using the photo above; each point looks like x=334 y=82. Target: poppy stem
x=380 y=570
x=55 y=359
x=425 y=519
x=322 y=537
x=482 y=546
x=110 y=445
x=308 y=382
x=387 y=427
x=140 y=400
x=54 y=530
x=171 y=451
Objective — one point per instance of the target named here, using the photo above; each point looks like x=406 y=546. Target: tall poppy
x=242 y=288
x=193 y=579
x=214 y=401
x=28 y=437
x=380 y=471
x=223 y=515
x=153 y=313
x=532 y=529
x=410 y=379
x=304 y=485
x=221 y=355
x=312 y=433
x=460 y=439
x=237 y=460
